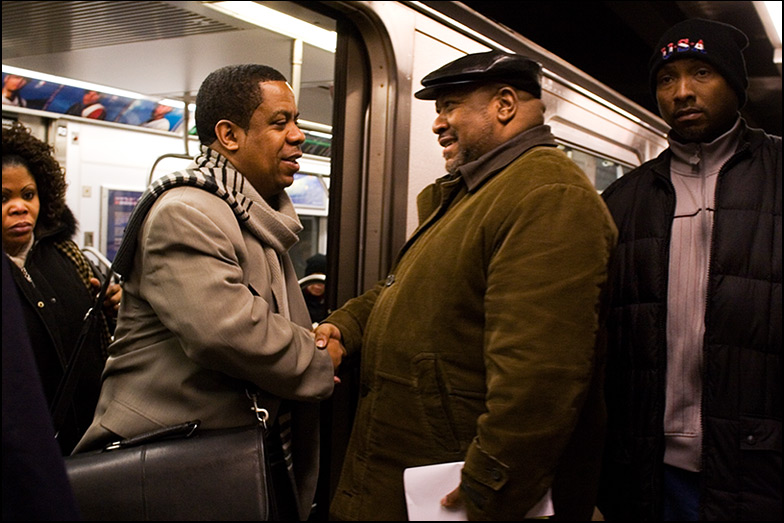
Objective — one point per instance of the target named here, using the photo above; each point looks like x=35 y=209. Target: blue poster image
x=119 y=205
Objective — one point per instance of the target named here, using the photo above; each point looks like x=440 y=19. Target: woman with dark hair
x=55 y=280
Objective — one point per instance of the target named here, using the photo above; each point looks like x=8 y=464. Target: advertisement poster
x=32 y=93
x=308 y=191
x=117 y=207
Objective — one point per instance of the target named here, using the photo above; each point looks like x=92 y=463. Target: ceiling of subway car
x=164 y=49
x=159 y=49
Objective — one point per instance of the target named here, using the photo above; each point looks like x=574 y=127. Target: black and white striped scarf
x=277 y=229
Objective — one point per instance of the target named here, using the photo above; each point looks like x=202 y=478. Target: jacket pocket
x=433 y=395
x=758 y=434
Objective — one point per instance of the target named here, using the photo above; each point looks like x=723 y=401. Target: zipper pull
x=27 y=276
x=694 y=161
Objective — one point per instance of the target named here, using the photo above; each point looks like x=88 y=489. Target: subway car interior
x=354 y=67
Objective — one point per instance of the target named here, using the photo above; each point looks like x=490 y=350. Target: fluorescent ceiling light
x=177 y=104
x=69 y=81
x=278 y=22
x=770 y=14
x=774 y=10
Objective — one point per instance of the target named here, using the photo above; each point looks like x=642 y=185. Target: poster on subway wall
x=32 y=93
x=116 y=208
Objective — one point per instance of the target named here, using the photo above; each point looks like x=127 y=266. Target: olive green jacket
x=481 y=345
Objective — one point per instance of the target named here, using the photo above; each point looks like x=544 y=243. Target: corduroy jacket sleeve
x=352 y=317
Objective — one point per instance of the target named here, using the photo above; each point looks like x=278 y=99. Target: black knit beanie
x=316 y=264
x=719 y=44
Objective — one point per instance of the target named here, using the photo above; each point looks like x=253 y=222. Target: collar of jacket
x=692 y=158
x=277 y=227
x=62 y=229
x=748 y=139
x=482 y=169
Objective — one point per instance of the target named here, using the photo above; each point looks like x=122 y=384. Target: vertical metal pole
x=187 y=119
x=297 y=51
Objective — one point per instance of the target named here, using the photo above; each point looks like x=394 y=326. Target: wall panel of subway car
x=353 y=66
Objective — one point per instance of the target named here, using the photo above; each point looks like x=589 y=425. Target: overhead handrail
x=102 y=260
x=181 y=156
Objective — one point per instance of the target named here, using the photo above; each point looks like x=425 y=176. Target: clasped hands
x=329 y=337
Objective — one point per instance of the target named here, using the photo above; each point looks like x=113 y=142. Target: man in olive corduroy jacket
x=482 y=345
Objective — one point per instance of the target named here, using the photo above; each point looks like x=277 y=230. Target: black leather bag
x=177 y=473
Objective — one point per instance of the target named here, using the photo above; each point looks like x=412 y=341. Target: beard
x=700 y=133
x=468 y=151
x=464 y=155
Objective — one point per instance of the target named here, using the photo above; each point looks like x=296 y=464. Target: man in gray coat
x=211 y=303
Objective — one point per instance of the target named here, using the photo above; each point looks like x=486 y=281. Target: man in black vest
x=694 y=361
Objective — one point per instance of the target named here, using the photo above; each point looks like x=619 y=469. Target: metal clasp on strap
x=261 y=413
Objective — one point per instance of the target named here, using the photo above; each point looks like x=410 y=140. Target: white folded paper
x=426 y=487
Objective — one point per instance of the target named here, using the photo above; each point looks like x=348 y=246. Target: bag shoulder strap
x=182 y=430
x=186 y=429
x=64 y=394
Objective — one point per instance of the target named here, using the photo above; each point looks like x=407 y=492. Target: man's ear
x=506 y=104
x=228 y=134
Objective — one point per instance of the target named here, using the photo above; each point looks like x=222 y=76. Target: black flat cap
x=492 y=66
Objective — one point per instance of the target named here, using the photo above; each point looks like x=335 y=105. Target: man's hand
x=329 y=337
x=453 y=500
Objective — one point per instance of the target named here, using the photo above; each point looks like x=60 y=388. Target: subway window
x=600 y=170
